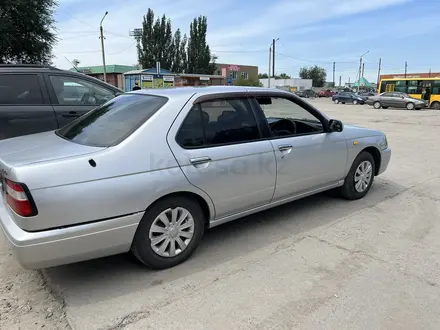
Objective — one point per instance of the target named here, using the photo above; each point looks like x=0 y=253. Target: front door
x=73 y=97
x=307 y=157
x=386 y=100
x=218 y=147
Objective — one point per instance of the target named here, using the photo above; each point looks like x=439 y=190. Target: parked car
x=366 y=95
x=327 y=93
x=396 y=100
x=150 y=171
x=37 y=98
x=307 y=93
x=348 y=97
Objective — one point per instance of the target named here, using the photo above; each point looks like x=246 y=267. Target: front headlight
x=384 y=143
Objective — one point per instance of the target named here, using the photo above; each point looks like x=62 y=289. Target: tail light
x=19 y=199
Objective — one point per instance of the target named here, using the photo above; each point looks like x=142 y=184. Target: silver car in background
x=395 y=100
x=150 y=170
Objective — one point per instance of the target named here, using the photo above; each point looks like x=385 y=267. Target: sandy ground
x=26 y=302
x=318 y=263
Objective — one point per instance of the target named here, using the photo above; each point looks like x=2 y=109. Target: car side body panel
x=127 y=178
x=90 y=200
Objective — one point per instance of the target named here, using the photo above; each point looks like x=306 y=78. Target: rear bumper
x=385 y=160
x=55 y=247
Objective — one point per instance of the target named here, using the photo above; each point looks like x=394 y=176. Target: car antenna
x=72 y=64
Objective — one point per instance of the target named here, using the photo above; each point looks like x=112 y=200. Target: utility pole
x=406 y=68
x=378 y=72
x=334 y=67
x=273 y=56
x=340 y=79
x=270 y=58
x=102 y=47
x=360 y=69
x=429 y=73
x=363 y=67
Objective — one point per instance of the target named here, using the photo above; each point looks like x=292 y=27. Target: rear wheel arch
x=190 y=195
x=375 y=153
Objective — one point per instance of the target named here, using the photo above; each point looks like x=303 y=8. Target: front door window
x=76 y=91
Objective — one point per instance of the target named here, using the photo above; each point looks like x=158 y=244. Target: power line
x=314 y=61
x=76 y=19
x=121 y=51
x=238 y=51
x=78 y=37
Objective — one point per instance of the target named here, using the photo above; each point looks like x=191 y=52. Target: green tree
x=263 y=76
x=146 y=48
x=179 y=52
x=27 y=31
x=199 y=54
x=248 y=82
x=156 y=42
x=316 y=73
x=284 y=76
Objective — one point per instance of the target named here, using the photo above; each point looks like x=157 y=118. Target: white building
x=294 y=84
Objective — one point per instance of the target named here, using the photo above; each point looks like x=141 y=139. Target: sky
x=310 y=32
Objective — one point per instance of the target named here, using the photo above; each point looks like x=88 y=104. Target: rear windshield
x=112 y=122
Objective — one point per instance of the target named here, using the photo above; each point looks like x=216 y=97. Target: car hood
x=354 y=132
x=40 y=147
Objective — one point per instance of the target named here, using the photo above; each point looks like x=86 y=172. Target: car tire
x=336 y=101
x=355 y=102
x=152 y=226
x=376 y=105
x=435 y=105
x=410 y=106
x=354 y=187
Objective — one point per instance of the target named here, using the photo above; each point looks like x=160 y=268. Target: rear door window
x=20 y=89
x=114 y=121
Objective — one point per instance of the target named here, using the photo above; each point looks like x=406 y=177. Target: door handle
x=286 y=147
x=71 y=114
x=200 y=160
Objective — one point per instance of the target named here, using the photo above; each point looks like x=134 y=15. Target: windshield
x=112 y=122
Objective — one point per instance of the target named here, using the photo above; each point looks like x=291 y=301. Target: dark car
x=38 y=98
x=348 y=97
x=306 y=93
x=366 y=95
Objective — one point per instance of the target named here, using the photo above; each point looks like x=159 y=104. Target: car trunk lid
x=39 y=147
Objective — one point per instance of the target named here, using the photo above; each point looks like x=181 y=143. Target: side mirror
x=335 y=125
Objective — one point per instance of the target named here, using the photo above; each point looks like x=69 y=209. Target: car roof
x=39 y=68
x=203 y=90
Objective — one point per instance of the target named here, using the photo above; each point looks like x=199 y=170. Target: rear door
x=220 y=149
x=24 y=105
x=73 y=96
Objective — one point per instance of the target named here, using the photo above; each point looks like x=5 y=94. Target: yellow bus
x=421 y=88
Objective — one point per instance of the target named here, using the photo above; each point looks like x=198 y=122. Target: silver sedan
x=151 y=170
x=395 y=100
